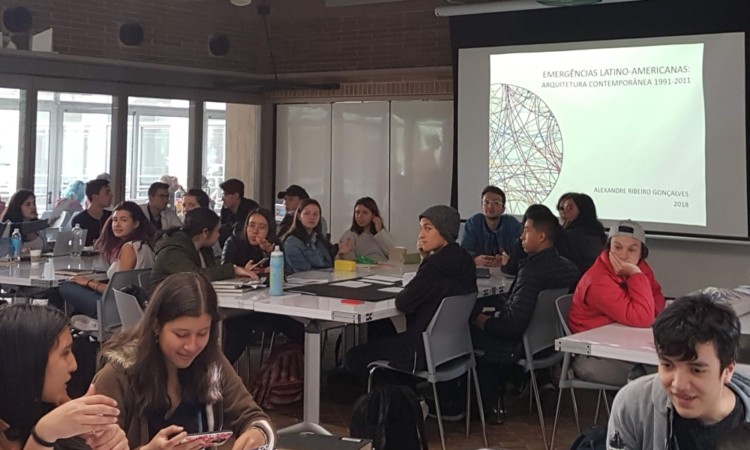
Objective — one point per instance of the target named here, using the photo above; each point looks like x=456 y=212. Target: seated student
x=367 y=237
x=236 y=208
x=291 y=197
x=446 y=270
x=561 y=211
x=619 y=288
x=696 y=399
x=170 y=379
x=22 y=208
x=500 y=334
x=583 y=230
x=161 y=217
x=126 y=243
x=188 y=249
x=35 y=409
x=490 y=236
x=252 y=247
x=305 y=246
x=194 y=198
x=99 y=197
x=71 y=199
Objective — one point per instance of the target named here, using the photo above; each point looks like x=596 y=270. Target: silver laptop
x=64 y=242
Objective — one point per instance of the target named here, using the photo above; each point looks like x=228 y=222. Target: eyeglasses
x=492 y=202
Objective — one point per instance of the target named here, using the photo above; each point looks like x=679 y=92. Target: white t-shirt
x=144 y=258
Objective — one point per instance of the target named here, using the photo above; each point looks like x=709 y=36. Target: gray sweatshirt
x=642 y=410
x=374 y=247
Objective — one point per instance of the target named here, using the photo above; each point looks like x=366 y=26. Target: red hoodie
x=603 y=297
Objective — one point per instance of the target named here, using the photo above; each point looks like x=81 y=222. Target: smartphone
x=258 y=263
x=211 y=439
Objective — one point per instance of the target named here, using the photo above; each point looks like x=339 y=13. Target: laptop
x=64 y=242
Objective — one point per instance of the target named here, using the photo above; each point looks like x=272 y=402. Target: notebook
x=310 y=441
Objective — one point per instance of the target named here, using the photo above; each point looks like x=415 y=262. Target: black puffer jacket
x=538 y=272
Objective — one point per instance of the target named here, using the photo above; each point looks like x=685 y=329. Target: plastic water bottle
x=277 y=272
x=15 y=245
x=76 y=247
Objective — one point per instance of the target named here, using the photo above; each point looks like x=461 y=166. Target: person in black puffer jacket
x=500 y=334
x=584 y=232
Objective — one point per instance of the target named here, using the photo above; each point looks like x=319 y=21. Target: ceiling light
x=240 y=2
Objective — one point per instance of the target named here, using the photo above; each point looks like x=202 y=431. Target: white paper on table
x=351 y=284
x=301 y=281
x=370 y=280
x=383 y=278
x=408 y=276
x=392 y=289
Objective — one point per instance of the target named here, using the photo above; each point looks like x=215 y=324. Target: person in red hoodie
x=619 y=288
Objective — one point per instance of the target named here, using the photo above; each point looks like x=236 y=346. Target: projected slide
x=625 y=125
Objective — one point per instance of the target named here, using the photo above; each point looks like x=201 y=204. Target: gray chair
x=539 y=344
x=566 y=380
x=129 y=309
x=449 y=354
x=106 y=307
x=144 y=280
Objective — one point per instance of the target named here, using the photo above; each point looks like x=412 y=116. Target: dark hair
x=587 y=218
x=299 y=231
x=696 y=319
x=233 y=186
x=494 y=190
x=268 y=215
x=370 y=204
x=200 y=196
x=156 y=187
x=180 y=295
x=12 y=211
x=28 y=334
x=199 y=219
x=544 y=221
x=562 y=199
x=94 y=187
x=109 y=245
x=644 y=249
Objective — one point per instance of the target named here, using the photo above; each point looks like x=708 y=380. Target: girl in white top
x=367 y=236
x=125 y=243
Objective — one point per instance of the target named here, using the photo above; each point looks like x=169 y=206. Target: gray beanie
x=445 y=219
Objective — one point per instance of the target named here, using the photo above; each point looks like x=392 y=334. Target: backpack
x=595 y=438
x=280 y=380
x=392 y=417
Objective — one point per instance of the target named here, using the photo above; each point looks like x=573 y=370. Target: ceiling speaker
x=17 y=19
x=131 y=34
x=219 y=45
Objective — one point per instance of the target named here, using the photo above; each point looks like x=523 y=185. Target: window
x=9 y=117
x=214 y=151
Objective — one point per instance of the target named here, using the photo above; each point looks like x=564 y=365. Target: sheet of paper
x=370 y=280
x=408 y=276
x=383 y=278
x=392 y=289
x=351 y=284
x=301 y=281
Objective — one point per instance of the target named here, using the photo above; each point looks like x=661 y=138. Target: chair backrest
x=144 y=280
x=109 y=316
x=128 y=308
x=447 y=336
x=563 y=309
x=543 y=329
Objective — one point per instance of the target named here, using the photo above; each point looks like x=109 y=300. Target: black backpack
x=392 y=417
x=595 y=438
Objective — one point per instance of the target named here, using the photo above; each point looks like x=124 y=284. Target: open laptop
x=64 y=242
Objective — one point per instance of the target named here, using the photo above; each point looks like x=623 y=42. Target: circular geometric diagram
x=526 y=148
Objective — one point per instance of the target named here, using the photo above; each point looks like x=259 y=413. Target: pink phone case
x=212 y=439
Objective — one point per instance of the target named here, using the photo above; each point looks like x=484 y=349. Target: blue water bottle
x=276 y=286
x=15 y=245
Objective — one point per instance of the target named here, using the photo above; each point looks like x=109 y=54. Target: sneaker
x=449 y=412
x=84 y=323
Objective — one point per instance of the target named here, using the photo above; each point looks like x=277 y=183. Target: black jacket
x=232 y=223
x=238 y=251
x=448 y=272
x=538 y=272
x=584 y=246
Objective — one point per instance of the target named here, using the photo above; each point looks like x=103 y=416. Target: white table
x=317 y=309
x=624 y=343
x=43 y=274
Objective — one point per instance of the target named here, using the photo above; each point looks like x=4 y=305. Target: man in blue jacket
x=490 y=236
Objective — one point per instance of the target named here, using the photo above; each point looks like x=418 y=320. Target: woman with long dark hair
x=305 y=245
x=22 y=208
x=584 y=232
x=256 y=243
x=35 y=410
x=188 y=249
x=367 y=237
x=170 y=378
x=125 y=243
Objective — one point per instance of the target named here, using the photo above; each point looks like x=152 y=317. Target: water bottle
x=76 y=247
x=277 y=272
x=15 y=245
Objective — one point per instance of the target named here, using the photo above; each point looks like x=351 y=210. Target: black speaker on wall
x=17 y=19
x=219 y=45
x=131 y=34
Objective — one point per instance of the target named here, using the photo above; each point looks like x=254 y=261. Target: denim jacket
x=478 y=239
x=301 y=257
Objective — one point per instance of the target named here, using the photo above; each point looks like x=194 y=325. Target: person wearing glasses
x=161 y=217
x=490 y=236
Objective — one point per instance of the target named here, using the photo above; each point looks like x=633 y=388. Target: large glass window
x=9 y=118
x=157 y=144
x=214 y=150
x=73 y=143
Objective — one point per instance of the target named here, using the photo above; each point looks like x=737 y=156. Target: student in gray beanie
x=445 y=219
